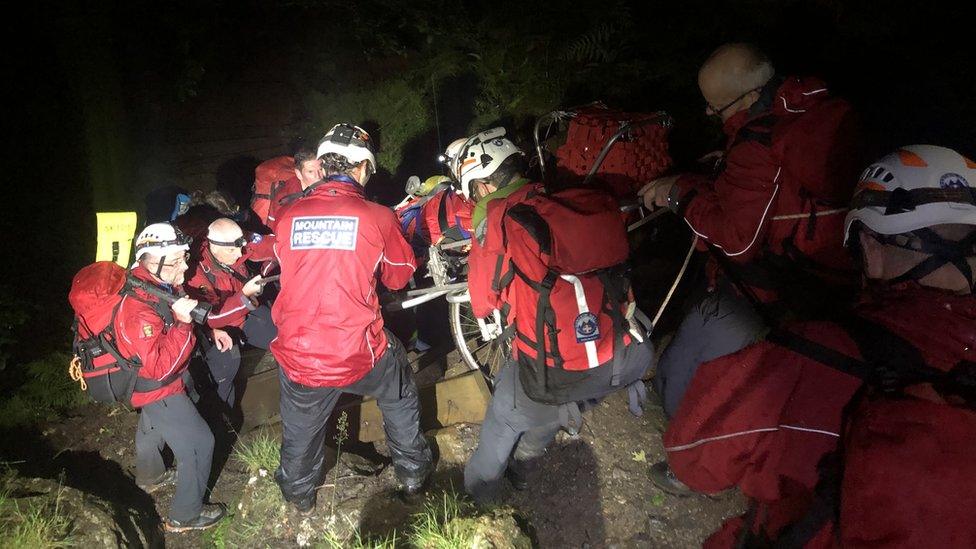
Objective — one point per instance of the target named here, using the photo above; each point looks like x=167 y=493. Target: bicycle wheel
x=486 y=356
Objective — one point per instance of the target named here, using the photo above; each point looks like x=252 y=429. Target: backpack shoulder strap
x=442 y=215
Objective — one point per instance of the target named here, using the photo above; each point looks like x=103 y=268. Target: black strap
x=442 y=215
x=500 y=281
x=534 y=225
x=890 y=362
x=942 y=252
x=902 y=200
x=616 y=288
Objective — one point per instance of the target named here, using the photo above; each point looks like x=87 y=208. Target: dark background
x=92 y=85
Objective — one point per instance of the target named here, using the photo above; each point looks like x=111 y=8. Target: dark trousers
x=722 y=323
x=517 y=429
x=305 y=411
x=175 y=422
x=258 y=331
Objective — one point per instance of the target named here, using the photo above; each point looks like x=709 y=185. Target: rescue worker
x=523 y=419
x=771 y=214
x=161 y=337
x=331 y=338
x=764 y=418
x=220 y=277
x=308 y=170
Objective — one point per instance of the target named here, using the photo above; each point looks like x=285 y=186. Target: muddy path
x=591 y=490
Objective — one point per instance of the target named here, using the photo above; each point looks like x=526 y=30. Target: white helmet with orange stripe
x=914 y=187
x=479 y=156
x=904 y=195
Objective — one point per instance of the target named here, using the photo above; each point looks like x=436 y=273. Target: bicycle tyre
x=487 y=357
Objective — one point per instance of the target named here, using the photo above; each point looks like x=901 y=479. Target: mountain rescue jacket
x=762 y=419
x=146 y=329
x=330 y=245
x=220 y=285
x=782 y=189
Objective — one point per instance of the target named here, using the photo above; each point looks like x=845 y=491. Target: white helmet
x=451 y=152
x=479 y=156
x=911 y=190
x=350 y=142
x=161 y=239
x=915 y=187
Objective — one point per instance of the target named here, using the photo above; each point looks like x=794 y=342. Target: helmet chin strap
x=942 y=252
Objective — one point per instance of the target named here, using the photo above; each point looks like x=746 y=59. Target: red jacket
x=762 y=418
x=290 y=192
x=789 y=170
x=424 y=220
x=162 y=351
x=444 y=211
x=330 y=245
x=208 y=280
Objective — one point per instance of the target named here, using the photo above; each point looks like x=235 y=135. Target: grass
x=330 y=541
x=37 y=524
x=257 y=452
x=47 y=392
x=437 y=525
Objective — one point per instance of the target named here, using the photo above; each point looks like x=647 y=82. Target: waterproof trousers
x=518 y=429
x=305 y=411
x=175 y=422
x=258 y=330
x=722 y=323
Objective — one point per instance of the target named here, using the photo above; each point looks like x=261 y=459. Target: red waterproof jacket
x=789 y=170
x=330 y=245
x=208 y=280
x=761 y=419
x=445 y=211
x=425 y=220
x=162 y=350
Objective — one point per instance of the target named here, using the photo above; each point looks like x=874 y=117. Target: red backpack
x=107 y=376
x=271 y=178
x=569 y=283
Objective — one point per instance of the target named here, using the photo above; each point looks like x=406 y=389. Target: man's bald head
x=733 y=70
x=224 y=230
x=223 y=235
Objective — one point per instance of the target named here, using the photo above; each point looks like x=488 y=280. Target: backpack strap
x=544 y=318
x=442 y=215
x=616 y=288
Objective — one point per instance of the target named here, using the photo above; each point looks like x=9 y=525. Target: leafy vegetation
x=47 y=392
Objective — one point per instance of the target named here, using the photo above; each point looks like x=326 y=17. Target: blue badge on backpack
x=586 y=327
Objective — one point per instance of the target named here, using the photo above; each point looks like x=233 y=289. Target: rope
x=437 y=122
x=677 y=280
x=74 y=370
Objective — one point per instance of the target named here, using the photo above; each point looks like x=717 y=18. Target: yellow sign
x=115 y=233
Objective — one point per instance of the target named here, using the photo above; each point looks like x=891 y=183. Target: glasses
x=709 y=109
x=179 y=261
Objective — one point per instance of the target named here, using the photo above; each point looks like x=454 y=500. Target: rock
x=496 y=530
x=90 y=521
x=618 y=474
